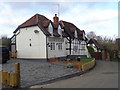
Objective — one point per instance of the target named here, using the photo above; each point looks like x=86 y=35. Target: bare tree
x=107 y=43
x=91 y=35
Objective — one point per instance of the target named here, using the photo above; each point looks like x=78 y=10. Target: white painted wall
x=56 y=52
x=56 y=40
x=67 y=46
x=38 y=42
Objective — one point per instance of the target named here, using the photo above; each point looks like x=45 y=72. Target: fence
x=13 y=54
x=11 y=79
x=87 y=66
x=101 y=55
x=98 y=55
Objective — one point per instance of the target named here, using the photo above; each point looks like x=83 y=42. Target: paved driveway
x=104 y=75
x=37 y=71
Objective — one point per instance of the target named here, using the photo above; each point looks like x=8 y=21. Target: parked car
x=4 y=54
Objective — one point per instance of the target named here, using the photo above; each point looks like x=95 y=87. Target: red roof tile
x=43 y=23
x=37 y=19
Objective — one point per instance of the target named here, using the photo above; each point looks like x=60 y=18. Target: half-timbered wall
x=78 y=47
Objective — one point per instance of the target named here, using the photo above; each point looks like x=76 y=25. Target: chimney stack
x=55 y=19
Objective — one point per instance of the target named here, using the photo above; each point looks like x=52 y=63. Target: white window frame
x=52 y=46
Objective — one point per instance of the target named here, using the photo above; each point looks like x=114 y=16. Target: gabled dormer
x=60 y=30
x=50 y=29
x=75 y=34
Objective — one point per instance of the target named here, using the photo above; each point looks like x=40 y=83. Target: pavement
x=104 y=75
x=38 y=71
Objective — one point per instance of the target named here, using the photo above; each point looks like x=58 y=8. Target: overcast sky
x=100 y=17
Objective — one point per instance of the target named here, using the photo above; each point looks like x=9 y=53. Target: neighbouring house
x=40 y=38
x=94 y=44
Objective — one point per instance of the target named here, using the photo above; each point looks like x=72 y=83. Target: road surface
x=104 y=75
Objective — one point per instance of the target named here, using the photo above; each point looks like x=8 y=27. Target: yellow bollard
x=79 y=66
x=17 y=71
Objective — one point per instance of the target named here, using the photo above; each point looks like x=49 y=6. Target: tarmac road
x=104 y=75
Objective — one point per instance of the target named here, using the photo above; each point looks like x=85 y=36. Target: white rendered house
x=40 y=38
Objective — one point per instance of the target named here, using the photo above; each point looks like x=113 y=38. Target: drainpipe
x=46 y=49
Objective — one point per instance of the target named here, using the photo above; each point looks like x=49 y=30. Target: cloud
x=9 y=17
x=86 y=16
x=102 y=21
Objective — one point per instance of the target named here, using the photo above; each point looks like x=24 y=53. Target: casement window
x=59 y=46
x=52 y=46
x=75 y=48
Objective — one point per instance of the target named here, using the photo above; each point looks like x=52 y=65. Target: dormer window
x=84 y=36
x=50 y=29
x=59 y=30
x=75 y=34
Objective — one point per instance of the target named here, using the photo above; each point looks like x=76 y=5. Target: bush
x=91 y=51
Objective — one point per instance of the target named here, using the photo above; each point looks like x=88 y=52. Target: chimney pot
x=55 y=15
x=55 y=19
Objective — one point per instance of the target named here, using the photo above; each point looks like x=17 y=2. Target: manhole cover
x=110 y=73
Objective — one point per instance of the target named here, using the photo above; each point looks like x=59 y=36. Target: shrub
x=91 y=51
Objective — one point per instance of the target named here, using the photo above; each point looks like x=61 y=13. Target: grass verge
x=86 y=60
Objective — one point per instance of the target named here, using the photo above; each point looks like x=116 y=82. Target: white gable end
x=30 y=44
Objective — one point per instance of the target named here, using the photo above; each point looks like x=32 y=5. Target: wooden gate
x=101 y=55
x=98 y=55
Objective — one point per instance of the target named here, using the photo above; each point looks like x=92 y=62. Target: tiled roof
x=93 y=41
x=39 y=20
x=43 y=23
x=70 y=29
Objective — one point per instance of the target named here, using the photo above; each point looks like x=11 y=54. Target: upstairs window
x=50 y=29
x=60 y=30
